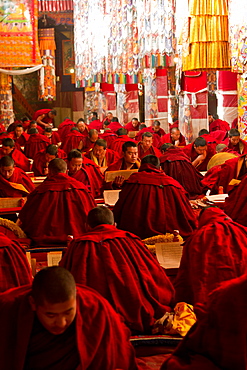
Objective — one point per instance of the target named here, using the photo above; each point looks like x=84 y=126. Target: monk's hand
x=118 y=182
x=45 y=171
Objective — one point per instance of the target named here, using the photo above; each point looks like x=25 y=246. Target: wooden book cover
x=111 y=175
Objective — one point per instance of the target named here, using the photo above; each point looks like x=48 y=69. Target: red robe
x=110 y=155
x=151 y=150
x=46 y=119
x=19 y=158
x=153 y=203
x=156 y=137
x=55 y=209
x=95 y=125
x=168 y=139
x=117 y=144
x=214 y=253
x=116 y=166
x=128 y=275
x=235 y=204
x=35 y=144
x=40 y=164
x=114 y=126
x=65 y=127
x=87 y=145
x=229 y=170
x=14 y=267
x=55 y=138
x=21 y=141
x=72 y=141
x=240 y=148
x=102 y=340
x=176 y=164
x=210 y=178
x=192 y=154
x=91 y=177
x=129 y=127
x=18 y=177
x=218 y=340
x=108 y=136
x=218 y=124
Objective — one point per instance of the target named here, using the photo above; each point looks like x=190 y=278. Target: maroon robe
x=21 y=141
x=19 y=158
x=35 y=144
x=18 y=177
x=87 y=144
x=114 y=126
x=55 y=138
x=129 y=127
x=210 y=178
x=128 y=275
x=65 y=127
x=102 y=340
x=240 y=148
x=117 y=144
x=72 y=141
x=192 y=154
x=218 y=340
x=235 y=204
x=214 y=253
x=110 y=155
x=55 y=209
x=46 y=119
x=218 y=124
x=116 y=166
x=153 y=203
x=229 y=170
x=95 y=125
x=175 y=163
x=95 y=177
x=151 y=150
x=40 y=163
x=14 y=267
x=108 y=136
x=168 y=139
x=156 y=137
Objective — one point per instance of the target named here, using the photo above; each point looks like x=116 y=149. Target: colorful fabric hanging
x=18 y=34
x=207 y=36
x=6 y=103
x=238 y=35
x=117 y=39
x=55 y=5
x=242 y=105
x=47 y=83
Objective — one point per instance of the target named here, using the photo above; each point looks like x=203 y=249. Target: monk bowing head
x=100 y=215
x=53 y=298
x=7 y=167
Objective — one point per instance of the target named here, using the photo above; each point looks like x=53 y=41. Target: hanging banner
x=242 y=106
x=18 y=34
x=6 y=102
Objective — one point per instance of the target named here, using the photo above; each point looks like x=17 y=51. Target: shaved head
x=56 y=166
x=100 y=215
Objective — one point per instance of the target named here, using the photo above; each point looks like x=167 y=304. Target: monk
x=235 y=143
x=74 y=140
x=235 y=203
x=133 y=125
x=128 y=161
x=235 y=168
x=175 y=138
x=14 y=182
x=175 y=163
x=33 y=124
x=114 y=124
x=65 y=127
x=56 y=208
x=214 y=253
x=35 y=143
x=145 y=146
x=8 y=148
x=108 y=118
x=157 y=129
x=108 y=135
x=149 y=202
x=217 y=124
x=53 y=136
x=19 y=136
x=128 y=275
x=14 y=267
x=156 y=137
x=43 y=158
x=61 y=326
x=101 y=155
x=95 y=123
x=90 y=140
x=199 y=153
x=218 y=340
x=45 y=117
x=117 y=144
x=86 y=171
